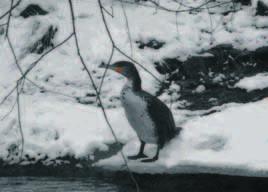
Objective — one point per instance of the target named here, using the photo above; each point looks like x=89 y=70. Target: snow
x=200 y=89
x=59 y=128
x=227 y=142
x=55 y=125
x=259 y=81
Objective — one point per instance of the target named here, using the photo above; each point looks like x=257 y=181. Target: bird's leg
x=154 y=158
x=140 y=154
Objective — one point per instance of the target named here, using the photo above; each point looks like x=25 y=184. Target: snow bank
x=229 y=142
x=59 y=128
x=259 y=81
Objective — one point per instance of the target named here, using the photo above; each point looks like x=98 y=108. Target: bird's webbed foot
x=138 y=156
x=149 y=160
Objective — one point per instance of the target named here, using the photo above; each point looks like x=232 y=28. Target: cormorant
x=149 y=117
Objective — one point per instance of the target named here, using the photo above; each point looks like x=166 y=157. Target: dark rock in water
x=44 y=42
x=32 y=10
x=262 y=9
x=152 y=43
x=208 y=80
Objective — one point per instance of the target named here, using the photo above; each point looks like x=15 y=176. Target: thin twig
x=160 y=7
x=20 y=82
x=34 y=64
x=42 y=88
x=42 y=56
x=136 y=62
x=13 y=7
x=106 y=69
x=127 y=26
x=118 y=49
x=111 y=14
x=9 y=16
x=8 y=94
x=13 y=53
x=19 y=120
x=9 y=112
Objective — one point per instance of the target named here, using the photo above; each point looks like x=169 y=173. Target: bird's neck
x=134 y=83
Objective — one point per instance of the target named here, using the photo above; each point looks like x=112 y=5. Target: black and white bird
x=149 y=117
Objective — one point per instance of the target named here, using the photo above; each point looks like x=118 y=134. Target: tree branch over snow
x=157 y=5
x=18 y=89
x=20 y=82
x=115 y=47
x=12 y=7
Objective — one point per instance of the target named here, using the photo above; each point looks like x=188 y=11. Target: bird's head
x=124 y=68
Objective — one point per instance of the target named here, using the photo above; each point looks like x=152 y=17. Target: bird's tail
x=176 y=132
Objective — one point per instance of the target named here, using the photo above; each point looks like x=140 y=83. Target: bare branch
x=34 y=64
x=8 y=94
x=111 y=14
x=106 y=69
x=11 y=8
x=9 y=112
x=13 y=53
x=9 y=16
x=117 y=48
x=127 y=26
x=189 y=8
x=42 y=88
x=19 y=120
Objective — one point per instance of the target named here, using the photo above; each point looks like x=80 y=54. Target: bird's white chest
x=136 y=112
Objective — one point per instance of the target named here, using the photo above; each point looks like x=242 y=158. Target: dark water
x=51 y=184
x=120 y=182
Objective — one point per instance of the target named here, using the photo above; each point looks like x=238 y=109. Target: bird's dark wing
x=162 y=117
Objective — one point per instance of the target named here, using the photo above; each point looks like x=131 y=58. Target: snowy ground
x=227 y=142
x=231 y=141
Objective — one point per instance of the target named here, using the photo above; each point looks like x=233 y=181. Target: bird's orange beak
x=119 y=69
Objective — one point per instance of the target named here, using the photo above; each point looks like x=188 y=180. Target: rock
x=45 y=42
x=32 y=10
x=152 y=43
x=217 y=71
x=262 y=9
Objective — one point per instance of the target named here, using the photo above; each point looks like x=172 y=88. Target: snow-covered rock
x=259 y=81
